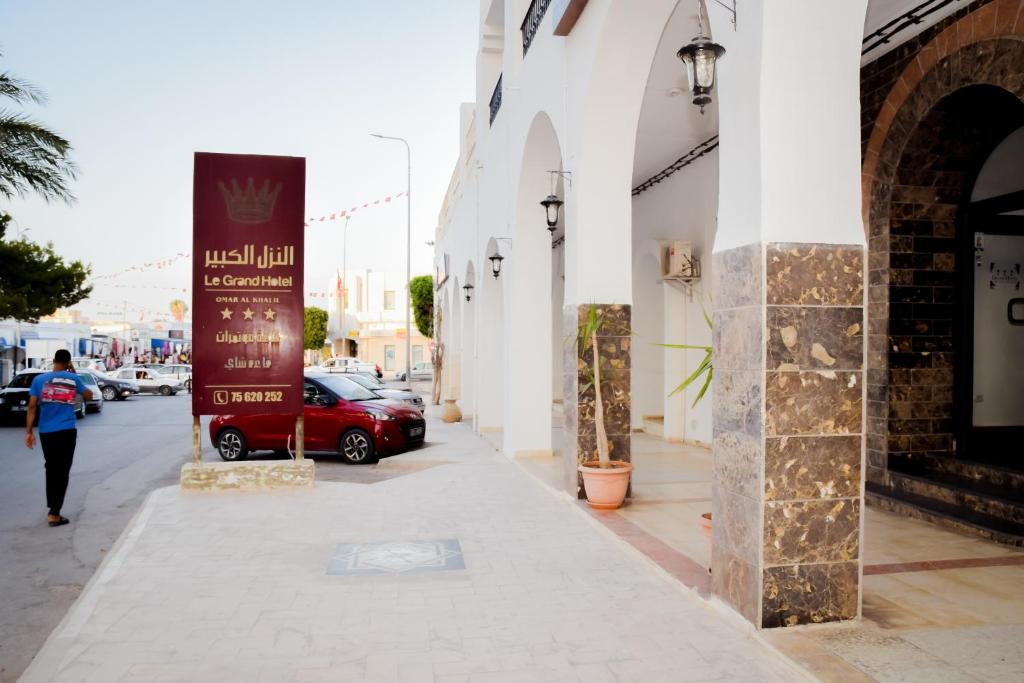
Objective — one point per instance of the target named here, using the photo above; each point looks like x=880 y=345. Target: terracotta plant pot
x=705 y=525
x=606 y=486
x=451 y=412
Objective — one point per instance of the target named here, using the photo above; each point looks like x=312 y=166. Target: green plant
x=314 y=328
x=588 y=338
x=34 y=280
x=705 y=369
x=32 y=157
x=421 y=291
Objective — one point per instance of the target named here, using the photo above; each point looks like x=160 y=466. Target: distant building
x=369 y=323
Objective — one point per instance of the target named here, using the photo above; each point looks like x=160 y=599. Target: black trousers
x=58 y=452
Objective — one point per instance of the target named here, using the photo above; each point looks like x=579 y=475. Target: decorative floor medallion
x=396 y=557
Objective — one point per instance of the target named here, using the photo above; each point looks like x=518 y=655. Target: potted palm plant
x=605 y=481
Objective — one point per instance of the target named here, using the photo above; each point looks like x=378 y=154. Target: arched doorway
x=931 y=438
x=469 y=304
x=531 y=338
x=491 y=347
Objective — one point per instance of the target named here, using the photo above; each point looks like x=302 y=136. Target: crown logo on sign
x=249 y=206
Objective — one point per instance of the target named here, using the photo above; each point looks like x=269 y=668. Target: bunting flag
x=143 y=267
x=337 y=215
x=183 y=290
x=181 y=255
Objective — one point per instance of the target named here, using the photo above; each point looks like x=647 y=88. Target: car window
x=347 y=389
x=364 y=381
x=88 y=378
x=22 y=381
x=141 y=374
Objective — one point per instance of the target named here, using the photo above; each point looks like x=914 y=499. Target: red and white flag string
x=167 y=262
x=340 y=215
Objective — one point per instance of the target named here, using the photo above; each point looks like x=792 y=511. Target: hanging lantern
x=468 y=290
x=552 y=204
x=496 y=259
x=700 y=57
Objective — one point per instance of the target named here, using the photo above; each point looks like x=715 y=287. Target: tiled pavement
x=240 y=587
x=939 y=606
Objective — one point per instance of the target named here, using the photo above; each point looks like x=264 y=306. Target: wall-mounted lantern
x=552 y=205
x=700 y=56
x=496 y=259
x=468 y=290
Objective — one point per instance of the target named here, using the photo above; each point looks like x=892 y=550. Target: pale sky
x=137 y=87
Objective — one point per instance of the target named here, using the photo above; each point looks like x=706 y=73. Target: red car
x=341 y=417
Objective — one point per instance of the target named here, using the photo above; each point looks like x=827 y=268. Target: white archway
x=491 y=348
x=468 y=343
x=529 y=337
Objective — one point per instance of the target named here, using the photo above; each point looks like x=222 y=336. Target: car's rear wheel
x=109 y=393
x=165 y=390
x=231 y=445
x=356 y=446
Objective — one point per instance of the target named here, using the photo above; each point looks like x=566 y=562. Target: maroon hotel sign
x=247 y=298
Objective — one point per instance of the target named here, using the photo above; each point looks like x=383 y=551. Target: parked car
x=376 y=386
x=346 y=364
x=340 y=417
x=179 y=371
x=14 y=397
x=94 y=404
x=113 y=389
x=80 y=363
x=151 y=381
x=422 y=370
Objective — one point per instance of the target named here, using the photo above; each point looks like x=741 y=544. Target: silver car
x=422 y=370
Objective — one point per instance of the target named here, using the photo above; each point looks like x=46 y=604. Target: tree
x=34 y=280
x=315 y=333
x=32 y=157
x=178 y=309
x=421 y=289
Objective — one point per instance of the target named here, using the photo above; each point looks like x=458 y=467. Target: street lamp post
x=408 y=252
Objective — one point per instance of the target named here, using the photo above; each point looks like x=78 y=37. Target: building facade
x=368 y=321
x=821 y=212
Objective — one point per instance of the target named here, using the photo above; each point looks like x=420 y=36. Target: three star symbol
x=248 y=313
x=226 y=314
x=269 y=314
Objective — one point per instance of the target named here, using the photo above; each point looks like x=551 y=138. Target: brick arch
x=997 y=19
x=915 y=178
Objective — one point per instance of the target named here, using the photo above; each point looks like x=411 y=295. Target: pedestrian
x=53 y=397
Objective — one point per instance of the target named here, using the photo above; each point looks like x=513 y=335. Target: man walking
x=53 y=395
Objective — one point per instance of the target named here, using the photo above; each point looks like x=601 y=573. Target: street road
x=123 y=453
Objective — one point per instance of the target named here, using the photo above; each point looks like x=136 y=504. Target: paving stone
x=235 y=586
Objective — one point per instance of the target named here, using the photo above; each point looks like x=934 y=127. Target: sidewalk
x=507 y=583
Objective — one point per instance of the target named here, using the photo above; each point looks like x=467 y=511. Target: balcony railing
x=531 y=23
x=496 y=100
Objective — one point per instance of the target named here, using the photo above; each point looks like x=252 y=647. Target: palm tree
x=32 y=157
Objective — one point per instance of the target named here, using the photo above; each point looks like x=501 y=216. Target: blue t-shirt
x=55 y=395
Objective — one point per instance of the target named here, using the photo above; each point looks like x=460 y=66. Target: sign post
x=247 y=284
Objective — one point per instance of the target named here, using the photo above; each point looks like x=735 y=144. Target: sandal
x=60 y=522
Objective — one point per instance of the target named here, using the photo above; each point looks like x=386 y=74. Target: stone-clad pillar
x=789 y=378
x=788 y=302
x=613 y=340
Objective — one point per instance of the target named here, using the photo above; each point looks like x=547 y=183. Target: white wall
x=683 y=207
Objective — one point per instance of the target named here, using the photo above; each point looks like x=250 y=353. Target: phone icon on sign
x=220 y=398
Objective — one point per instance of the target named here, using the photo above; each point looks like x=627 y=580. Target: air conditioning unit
x=677 y=261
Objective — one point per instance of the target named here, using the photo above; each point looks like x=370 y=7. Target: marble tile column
x=788 y=431
x=613 y=340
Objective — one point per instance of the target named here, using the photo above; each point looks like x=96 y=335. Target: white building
x=372 y=327
x=774 y=188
